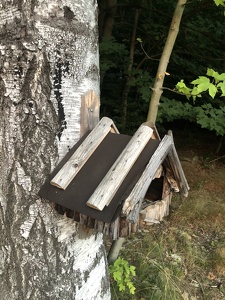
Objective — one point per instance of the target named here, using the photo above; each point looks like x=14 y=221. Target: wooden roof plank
x=137 y=194
x=115 y=176
x=69 y=170
x=155 y=134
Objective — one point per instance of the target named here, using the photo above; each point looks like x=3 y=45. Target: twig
x=147 y=54
x=217 y=158
x=174 y=91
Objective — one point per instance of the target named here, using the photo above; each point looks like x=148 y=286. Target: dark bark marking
x=68 y=14
x=60 y=69
x=92 y=72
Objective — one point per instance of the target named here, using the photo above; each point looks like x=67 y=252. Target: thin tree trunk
x=171 y=38
x=129 y=69
x=109 y=16
x=49 y=58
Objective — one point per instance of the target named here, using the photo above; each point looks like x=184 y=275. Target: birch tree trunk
x=48 y=59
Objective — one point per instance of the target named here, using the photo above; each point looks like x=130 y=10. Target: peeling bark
x=48 y=59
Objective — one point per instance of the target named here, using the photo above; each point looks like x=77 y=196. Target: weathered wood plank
x=133 y=202
x=177 y=169
x=159 y=172
x=89 y=114
x=155 y=135
x=114 y=230
x=106 y=229
x=100 y=226
x=155 y=212
x=124 y=227
x=134 y=227
x=66 y=174
x=115 y=176
x=166 y=189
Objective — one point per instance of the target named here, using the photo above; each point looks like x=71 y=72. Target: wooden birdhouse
x=115 y=183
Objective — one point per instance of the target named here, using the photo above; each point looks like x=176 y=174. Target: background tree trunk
x=110 y=7
x=49 y=58
x=129 y=70
x=106 y=22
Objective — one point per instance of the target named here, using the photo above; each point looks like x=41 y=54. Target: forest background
x=184 y=257
x=132 y=38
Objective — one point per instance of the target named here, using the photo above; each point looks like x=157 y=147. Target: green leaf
x=180 y=84
x=221 y=77
x=202 y=87
x=221 y=85
x=139 y=40
x=201 y=80
x=195 y=91
x=121 y=287
x=132 y=290
x=132 y=269
x=131 y=287
x=218 y=77
x=117 y=275
x=210 y=72
x=212 y=90
x=219 y=2
x=182 y=88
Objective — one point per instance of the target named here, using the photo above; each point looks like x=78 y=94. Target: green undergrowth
x=184 y=256
x=173 y=263
x=161 y=263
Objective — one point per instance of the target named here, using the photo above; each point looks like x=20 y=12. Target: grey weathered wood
x=133 y=202
x=115 y=176
x=114 y=229
x=69 y=170
x=155 y=135
x=155 y=212
x=89 y=112
x=177 y=169
x=159 y=172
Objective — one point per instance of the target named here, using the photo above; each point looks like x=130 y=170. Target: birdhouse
x=114 y=182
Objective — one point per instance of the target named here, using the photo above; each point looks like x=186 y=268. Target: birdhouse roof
x=103 y=171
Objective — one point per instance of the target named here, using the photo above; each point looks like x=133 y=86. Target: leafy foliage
x=208 y=115
x=109 y=49
x=203 y=84
x=205 y=115
x=211 y=118
x=123 y=274
x=200 y=43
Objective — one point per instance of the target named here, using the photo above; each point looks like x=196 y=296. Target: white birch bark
x=48 y=59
